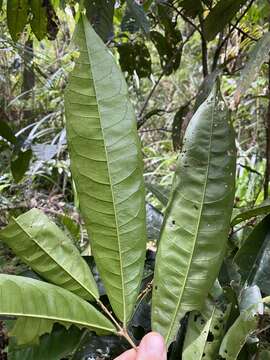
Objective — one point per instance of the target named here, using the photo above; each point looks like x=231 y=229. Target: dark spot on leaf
x=173 y=222
x=216 y=327
x=210 y=337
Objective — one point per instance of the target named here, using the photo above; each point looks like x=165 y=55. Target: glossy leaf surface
x=196 y=226
x=106 y=165
x=38 y=305
x=45 y=247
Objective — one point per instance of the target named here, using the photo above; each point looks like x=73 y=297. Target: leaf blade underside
x=106 y=165
x=197 y=220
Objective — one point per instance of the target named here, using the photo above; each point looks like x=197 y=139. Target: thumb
x=152 y=347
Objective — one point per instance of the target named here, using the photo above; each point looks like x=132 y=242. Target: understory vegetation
x=134 y=178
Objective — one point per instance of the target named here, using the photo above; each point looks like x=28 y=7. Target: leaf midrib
x=198 y=224
x=54 y=260
x=110 y=180
x=57 y=319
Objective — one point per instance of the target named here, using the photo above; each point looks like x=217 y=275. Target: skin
x=151 y=347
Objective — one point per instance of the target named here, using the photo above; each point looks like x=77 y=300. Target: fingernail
x=152 y=347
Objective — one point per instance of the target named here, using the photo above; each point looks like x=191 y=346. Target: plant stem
x=121 y=331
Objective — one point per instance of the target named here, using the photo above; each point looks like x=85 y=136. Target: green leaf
x=38 y=305
x=7 y=133
x=154 y=222
x=160 y=192
x=243 y=327
x=192 y=7
x=43 y=246
x=100 y=13
x=253 y=259
x=206 y=87
x=220 y=16
x=106 y=165
x=205 y=332
x=196 y=225
x=39 y=21
x=137 y=14
x=257 y=56
x=135 y=56
x=17 y=15
x=264 y=355
x=20 y=165
x=57 y=345
x=242 y=215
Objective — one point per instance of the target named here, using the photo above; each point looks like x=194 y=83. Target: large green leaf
x=39 y=20
x=57 y=345
x=38 y=305
x=257 y=56
x=195 y=231
x=253 y=257
x=45 y=247
x=17 y=14
x=205 y=332
x=220 y=16
x=106 y=165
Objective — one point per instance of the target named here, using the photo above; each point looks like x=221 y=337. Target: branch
x=204 y=49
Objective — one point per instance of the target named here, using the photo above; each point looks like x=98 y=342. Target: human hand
x=152 y=347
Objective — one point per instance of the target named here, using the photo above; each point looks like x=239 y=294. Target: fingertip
x=152 y=347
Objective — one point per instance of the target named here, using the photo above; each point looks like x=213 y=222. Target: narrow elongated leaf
x=39 y=20
x=205 y=332
x=253 y=257
x=17 y=13
x=57 y=345
x=242 y=328
x=195 y=231
x=160 y=192
x=38 y=305
x=106 y=165
x=257 y=56
x=220 y=16
x=45 y=247
x=262 y=209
